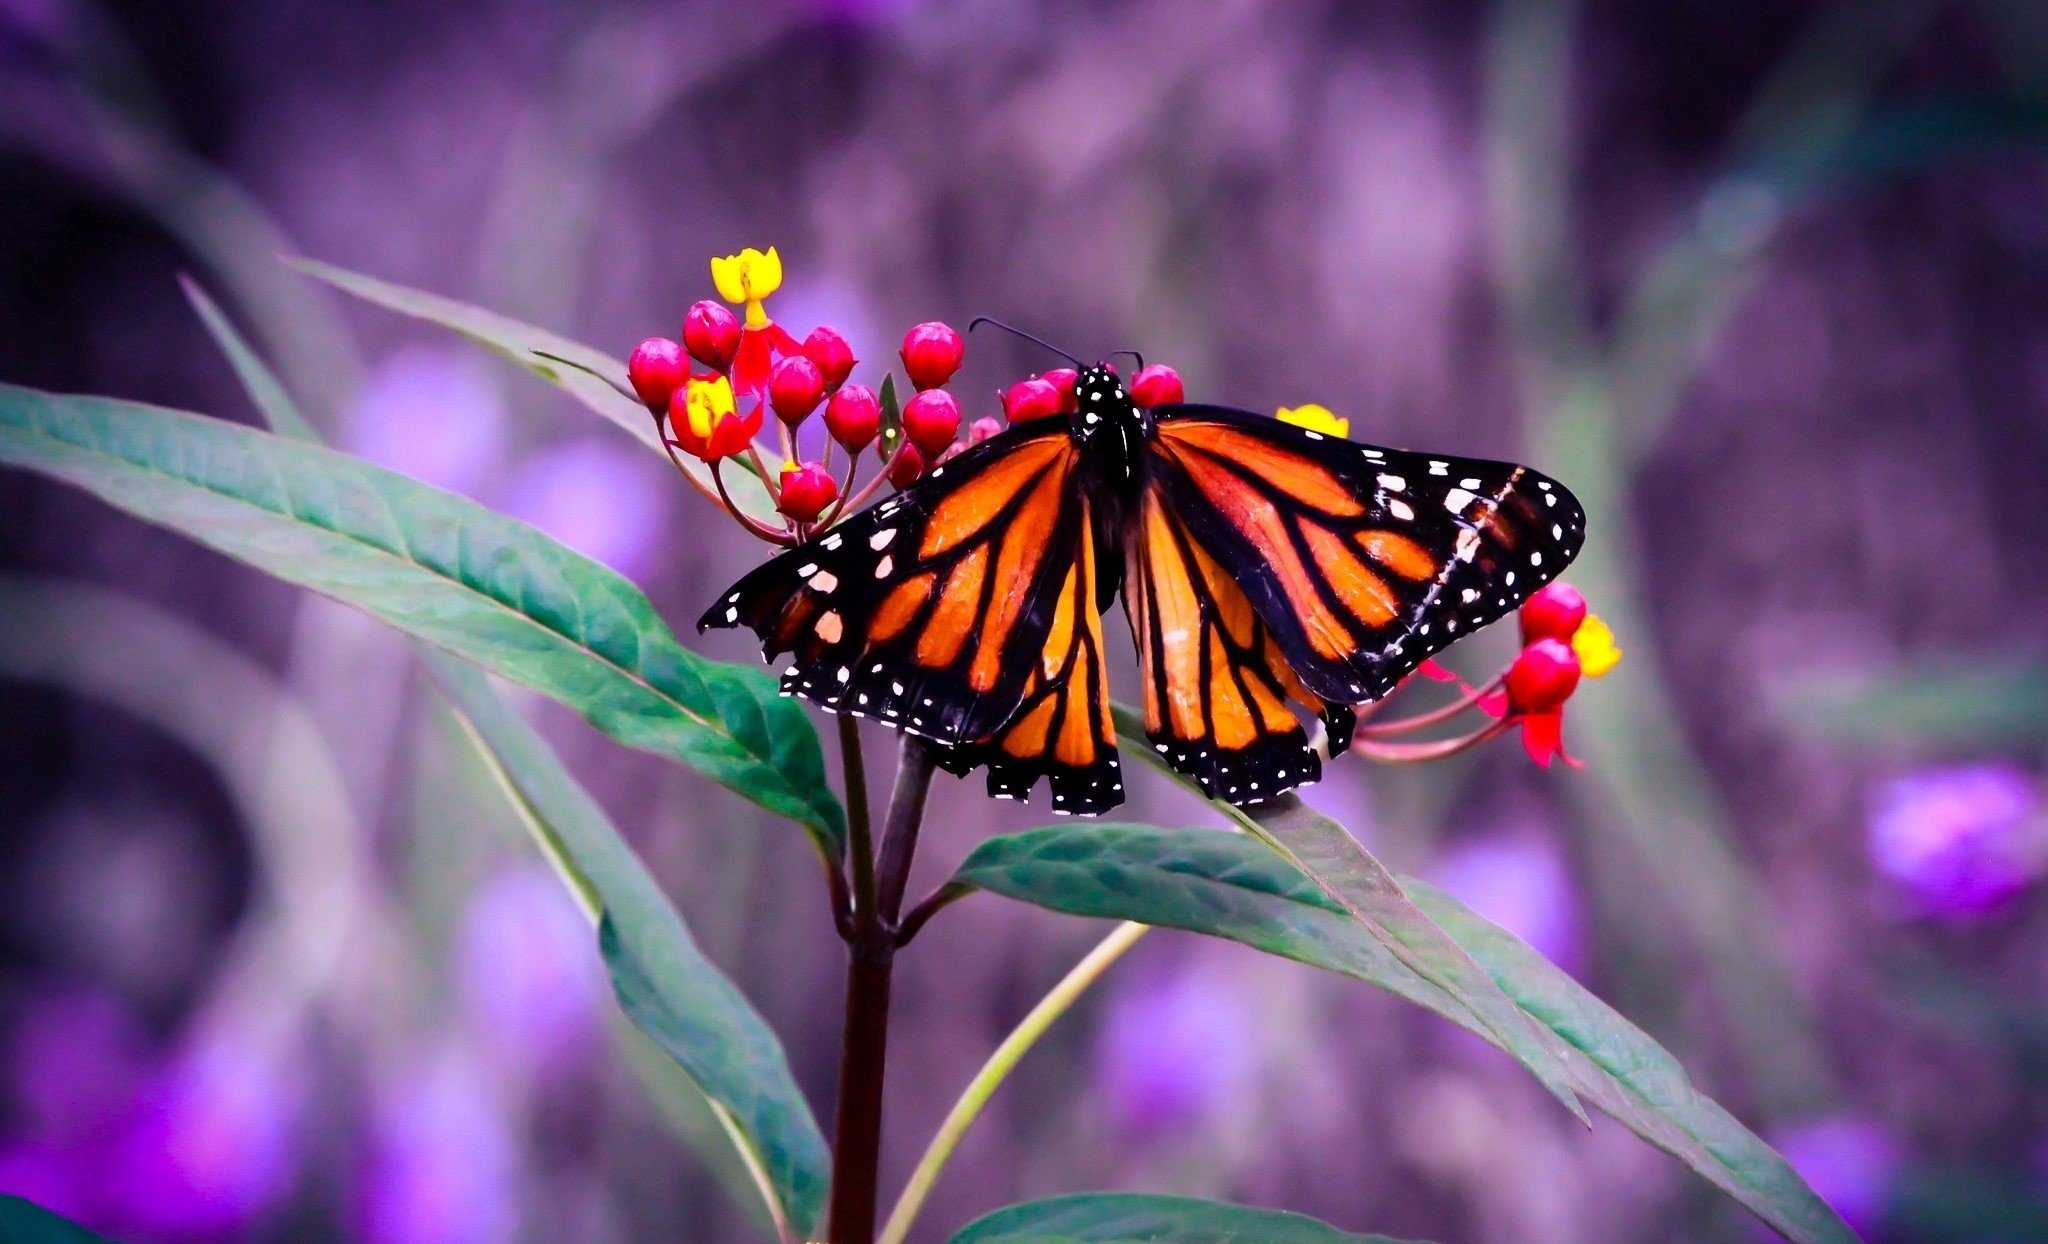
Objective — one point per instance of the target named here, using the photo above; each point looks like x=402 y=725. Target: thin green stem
x=997 y=1069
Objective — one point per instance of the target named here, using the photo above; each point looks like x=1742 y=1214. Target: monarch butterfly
x=1262 y=566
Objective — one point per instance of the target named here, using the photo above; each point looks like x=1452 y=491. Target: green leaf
x=23 y=1222
x=272 y=400
x=583 y=377
x=1229 y=885
x=1139 y=1218
x=892 y=417
x=1327 y=854
x=728 y=1060
x=664 y=983
x=443 y=569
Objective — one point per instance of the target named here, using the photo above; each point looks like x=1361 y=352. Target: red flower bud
x=834 y=358
x=1554 y=612
x=1542 y=678
x=983 y=428
x=906 y=467
x=807 y=491
x=931 y=420
x=657 y=370
x=1157 y=385
x=795 y=388
x=931 y=354
x=712 y=334
x=1036 y=398
x=1064 y=379
x=854 y=417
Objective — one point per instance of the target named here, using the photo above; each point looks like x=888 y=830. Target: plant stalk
x=871 y=954
x=998 y=1068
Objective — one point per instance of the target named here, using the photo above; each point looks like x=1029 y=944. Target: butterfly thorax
x=1111 y=431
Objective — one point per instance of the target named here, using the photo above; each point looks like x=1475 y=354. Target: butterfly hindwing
x=930 y=610
x=1061 y=729
x=1216 y=687
x=1363 y=561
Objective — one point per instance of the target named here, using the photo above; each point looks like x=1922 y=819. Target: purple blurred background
x=1766 y=283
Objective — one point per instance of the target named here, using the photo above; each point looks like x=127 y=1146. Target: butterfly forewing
x=1363 y=561
x=930 y=610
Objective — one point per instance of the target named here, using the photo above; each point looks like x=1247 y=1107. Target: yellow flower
x=1316 y=419
x=1593 y=642
x=709 y=402
x=748 y=277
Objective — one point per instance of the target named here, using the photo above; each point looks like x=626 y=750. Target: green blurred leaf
x=666 y=986
x=726 y=1063
x=526 y=346
x=273 y=402
x=443 y=569
x=1139 y=1218
x=1230 y=885
x=1991 y=703
x=22 y=1222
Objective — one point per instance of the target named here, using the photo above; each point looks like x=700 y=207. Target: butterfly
x=1268 y=572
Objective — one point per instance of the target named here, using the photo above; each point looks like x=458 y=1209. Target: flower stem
x=857 y=1140
x=996 y=1069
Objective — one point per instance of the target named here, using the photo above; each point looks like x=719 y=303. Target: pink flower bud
x=1554 y=612
x=854 y=417
x=931 y=420
x=1542 y=678
x=1064 y=379
x=983 y=428
x=712 y=334
x=1036 y=398
x=807 y=491
x=657 y=370
x=906 y=467
x=833 y=357
x=795 y=388
x=1157 y=385
x=931 y=354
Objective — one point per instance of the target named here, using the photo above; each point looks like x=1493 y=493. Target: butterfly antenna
x=983 y=319
x=1133 y=353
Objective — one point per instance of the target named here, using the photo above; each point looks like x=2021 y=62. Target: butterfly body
x=1267 y=572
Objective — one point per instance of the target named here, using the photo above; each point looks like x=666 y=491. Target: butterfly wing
x=931 y=610
x=1217 y=688
x=1062 y=729
x=1362 y=561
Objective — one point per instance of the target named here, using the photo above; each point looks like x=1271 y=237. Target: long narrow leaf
x=537 y=350
x=440 y=568
x=1327 y=854
x=665 y=984
x=24 y=1222
x=1228 y=885
x=725 y=1055
x=1139 y=1218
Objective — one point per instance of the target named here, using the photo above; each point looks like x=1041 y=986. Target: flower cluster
x=1562 y=644
x=712 y=392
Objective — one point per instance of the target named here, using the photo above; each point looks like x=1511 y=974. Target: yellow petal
x=1316 y=419
x=1593 y=642
x=726 y=273
x=709 y=402
x=767 y=272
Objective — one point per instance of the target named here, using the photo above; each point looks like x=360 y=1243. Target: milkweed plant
x=794 y=438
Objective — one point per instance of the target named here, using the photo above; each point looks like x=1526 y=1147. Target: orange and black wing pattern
x=1062 y=729
x=1217 y=691
x=1361 y=561
x=930 y=611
